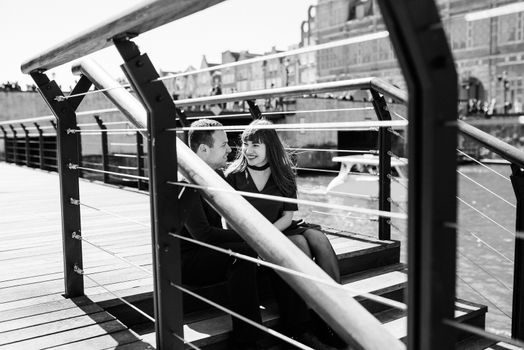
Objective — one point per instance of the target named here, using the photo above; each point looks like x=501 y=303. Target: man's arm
x=199 y=227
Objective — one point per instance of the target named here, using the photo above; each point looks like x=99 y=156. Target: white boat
x=358 y=177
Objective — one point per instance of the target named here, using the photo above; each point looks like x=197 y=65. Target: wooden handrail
x=134 y=21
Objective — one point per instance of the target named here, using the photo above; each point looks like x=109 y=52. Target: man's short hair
x=198 y=137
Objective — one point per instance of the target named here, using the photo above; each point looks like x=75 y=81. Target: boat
x=358 y=176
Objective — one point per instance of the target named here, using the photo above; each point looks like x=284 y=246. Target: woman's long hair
x=279 y=161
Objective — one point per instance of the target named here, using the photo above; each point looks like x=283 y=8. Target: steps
x=367 y=265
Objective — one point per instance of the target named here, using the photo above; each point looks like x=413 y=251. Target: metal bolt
x=139 y=63
x=166 y=249
x=159 y=98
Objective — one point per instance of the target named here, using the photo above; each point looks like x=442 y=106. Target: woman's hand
x=284 y=221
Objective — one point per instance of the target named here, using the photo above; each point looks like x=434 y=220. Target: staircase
x=366 y=264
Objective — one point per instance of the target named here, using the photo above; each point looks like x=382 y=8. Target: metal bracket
x=254 y=110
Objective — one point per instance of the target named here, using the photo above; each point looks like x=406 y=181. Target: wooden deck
x=34 y=314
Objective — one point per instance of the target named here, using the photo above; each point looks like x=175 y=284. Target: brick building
x=489 y=52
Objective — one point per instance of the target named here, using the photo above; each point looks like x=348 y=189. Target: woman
x=263 y=166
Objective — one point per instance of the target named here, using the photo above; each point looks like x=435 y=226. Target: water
x=485 y=249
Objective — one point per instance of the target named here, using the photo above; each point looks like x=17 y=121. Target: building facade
x=489 y=53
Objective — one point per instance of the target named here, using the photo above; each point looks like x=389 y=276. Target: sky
x=32 y=26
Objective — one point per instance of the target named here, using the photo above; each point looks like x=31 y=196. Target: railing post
x=105 y=150
x=53 y=123
x=517 y=316
x=164 y=198
x=140 y=160
x=40 y=146
x=384 y=147
x=27 y=146
x=64 y=110
x=5 y=144
x=15 y=144
x=423 y=52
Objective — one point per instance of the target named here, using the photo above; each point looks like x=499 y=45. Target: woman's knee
x=316 y=238
x=302 y=243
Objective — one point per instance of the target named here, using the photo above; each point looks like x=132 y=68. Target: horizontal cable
x=486 y=189
x=394 y=226
x=399 y=116
x=486 y=271
x=90 y=92
x=395 y=179
x=81 y=238
x=396 y=133
x=223 y=116
x=304 y=126
x=99 y=131
x=312 y=48
x=81 y=272
x=121 y=155
x=345 y=216
x=397 y=204
x=242 y=318
x=400 y=159
x=191 y=345
x=75 y=166
x=483 y=296
x=125 y=218
x=354 y=195
x=461 y=228
x=486 y=217
x=484 y=165
x=298 y=149
x=481 y=332
x=371 y=212
x=105 y=123
x=316 y=170
x=122 y=144
x=328 y=282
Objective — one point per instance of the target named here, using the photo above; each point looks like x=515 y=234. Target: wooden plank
x=107 y=341
x=61 y=325
x=139 y=19
x=67 y=336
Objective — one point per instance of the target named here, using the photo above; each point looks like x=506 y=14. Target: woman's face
x=254 y=152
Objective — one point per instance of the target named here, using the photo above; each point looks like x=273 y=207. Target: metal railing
x=427 y=63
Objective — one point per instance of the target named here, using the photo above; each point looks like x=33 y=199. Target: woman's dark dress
x=271 y=209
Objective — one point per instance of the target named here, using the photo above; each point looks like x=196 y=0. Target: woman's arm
x=284 y=221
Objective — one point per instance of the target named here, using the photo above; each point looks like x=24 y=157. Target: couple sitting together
x=262 y=166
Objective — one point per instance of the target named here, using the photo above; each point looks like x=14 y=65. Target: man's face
x=216 y=156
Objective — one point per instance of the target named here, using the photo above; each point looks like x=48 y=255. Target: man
x=203 y=266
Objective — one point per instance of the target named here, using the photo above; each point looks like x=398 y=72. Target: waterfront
x=484 y=269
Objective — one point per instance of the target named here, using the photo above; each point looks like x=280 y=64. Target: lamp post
x=503 y=79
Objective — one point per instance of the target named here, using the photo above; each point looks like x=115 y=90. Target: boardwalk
x=33 y=312
x=35 y=315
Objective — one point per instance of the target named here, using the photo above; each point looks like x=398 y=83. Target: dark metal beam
x=517 y=315
x=427 y=63
x=163 y=167
x=384 y=146
x=105 y=148
x=69 y=191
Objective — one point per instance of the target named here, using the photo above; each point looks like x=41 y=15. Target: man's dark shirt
x=203 y=223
